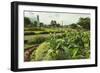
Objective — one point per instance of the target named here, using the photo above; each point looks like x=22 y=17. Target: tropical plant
x=72 y=45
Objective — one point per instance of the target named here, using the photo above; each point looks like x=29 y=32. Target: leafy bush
x=84 y=22
x=34 y=29
x=27 y=21
x=29 y=33
x=71 y=45
x=40 y=32
x=37 y=40
x=25 y=41
x=41 y=51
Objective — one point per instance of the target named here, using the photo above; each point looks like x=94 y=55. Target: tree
x=53 y=23
x=84 y=22
x=35 y=23
x=41 y=24
x=58 y=25
x=27 y=21
x=73 y=25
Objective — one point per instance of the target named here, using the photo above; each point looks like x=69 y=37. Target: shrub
x=25 y=41
x=34 y=29
x=37 y=40
x=29 y=33
x=41 y=51
x=71 y=45
x=48 y=51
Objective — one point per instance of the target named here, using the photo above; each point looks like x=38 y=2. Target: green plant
x=41 y=51
x=72 y=44
x=37 y=40
x=29 y=33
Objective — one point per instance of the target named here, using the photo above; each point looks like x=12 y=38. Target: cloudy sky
x=46 y=17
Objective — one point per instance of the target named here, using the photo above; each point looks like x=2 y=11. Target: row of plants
x=37 y=39
x=41 y=32
x=72 y=44
x=33 y=29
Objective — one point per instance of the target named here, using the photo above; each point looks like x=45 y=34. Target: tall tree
x=53 y=23
x=73 y=25
x=84 y=22
x=27 y=21
x=35 y=23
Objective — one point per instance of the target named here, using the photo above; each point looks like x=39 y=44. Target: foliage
x=72 y=45
x=33 y=29
x=37 y=40
x=54 y=23
x=27 y=21
x=84 y=22
x=41 y=51
x=41 y=32
x=57 y=42
x=34 y=24
x=73 y=26
x=29 y=33
x=41 y=24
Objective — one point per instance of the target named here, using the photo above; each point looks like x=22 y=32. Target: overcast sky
x=46 y=17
